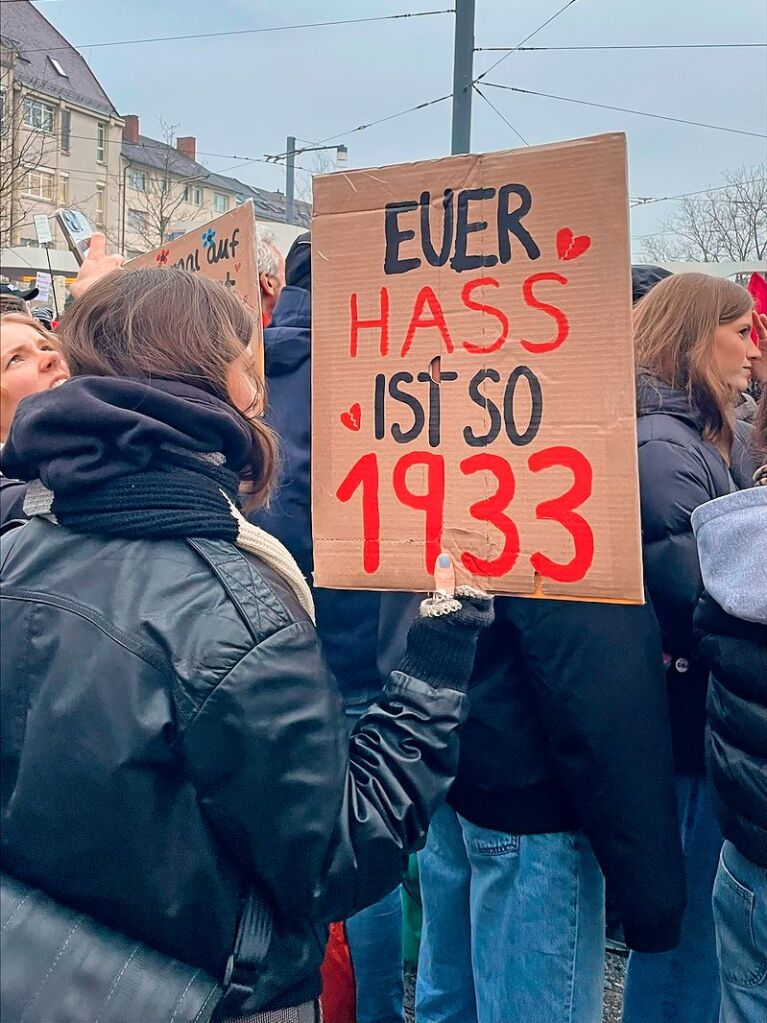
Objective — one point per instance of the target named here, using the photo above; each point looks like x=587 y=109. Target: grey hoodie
x=731 y=532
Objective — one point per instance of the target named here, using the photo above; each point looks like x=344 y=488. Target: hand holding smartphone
x=97 y=264
x=76 y=230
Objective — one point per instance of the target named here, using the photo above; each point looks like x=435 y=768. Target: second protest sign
x=473 y=384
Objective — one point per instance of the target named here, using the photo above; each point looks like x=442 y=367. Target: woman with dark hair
x=694 y=356
x=175 y=759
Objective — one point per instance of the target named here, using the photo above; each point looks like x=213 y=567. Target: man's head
x=271 y=271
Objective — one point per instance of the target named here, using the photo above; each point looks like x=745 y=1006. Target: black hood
x=91 y=430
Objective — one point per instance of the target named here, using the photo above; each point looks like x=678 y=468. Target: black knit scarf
x=130 y=458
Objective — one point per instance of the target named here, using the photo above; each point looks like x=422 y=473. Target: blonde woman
x=694 y=359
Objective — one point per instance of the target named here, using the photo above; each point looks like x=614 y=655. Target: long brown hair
x=170 y=325
x=674 y=331
x=759 y=436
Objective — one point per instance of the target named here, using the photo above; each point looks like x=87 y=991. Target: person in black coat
x=175 y=760
x=347 y=620
x=731 y=631
x=694 y=355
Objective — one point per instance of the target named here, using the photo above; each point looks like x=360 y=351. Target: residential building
x=63 y=144
x=167 y=192
x=60 y=134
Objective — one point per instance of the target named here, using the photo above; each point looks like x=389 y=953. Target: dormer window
x=57 y=67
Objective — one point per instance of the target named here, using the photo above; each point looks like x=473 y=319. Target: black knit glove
x=442 y=641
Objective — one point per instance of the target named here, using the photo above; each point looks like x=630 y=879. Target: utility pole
x=463 y=75
x=290 y=154
x=290 y=180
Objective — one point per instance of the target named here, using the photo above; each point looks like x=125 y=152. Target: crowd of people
x=207 y=755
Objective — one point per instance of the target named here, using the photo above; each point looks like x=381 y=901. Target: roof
x=148 y=152
x=271 y=205
x=24 y=29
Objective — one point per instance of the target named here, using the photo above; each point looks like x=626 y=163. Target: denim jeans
x=513 y=927
x=740 y=916
x=375 y=934
x=682 y=986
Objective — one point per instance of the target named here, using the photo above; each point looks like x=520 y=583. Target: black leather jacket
x=174 y=756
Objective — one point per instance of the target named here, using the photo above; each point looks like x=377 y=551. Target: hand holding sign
x=473 y=374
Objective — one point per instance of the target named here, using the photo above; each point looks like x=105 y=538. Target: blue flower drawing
x=207 y=238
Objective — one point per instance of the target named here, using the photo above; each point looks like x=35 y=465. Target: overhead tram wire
x=523 y=41
x=441 y=99
x=382 y=120
x=625 y=110
x=502 y=117
x=638 y=46
x=640 y=200
x=243 y=31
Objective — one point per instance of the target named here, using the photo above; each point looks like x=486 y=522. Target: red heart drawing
x=570 y=246
x=237 y=267
x=352 y=419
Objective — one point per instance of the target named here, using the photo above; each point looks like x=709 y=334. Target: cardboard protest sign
x=224 y=250
x=473 y=381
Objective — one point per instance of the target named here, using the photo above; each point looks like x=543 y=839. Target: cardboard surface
x=224 y=250
x=505 y=277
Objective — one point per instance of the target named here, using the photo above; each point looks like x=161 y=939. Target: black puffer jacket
x=678 y=471
x=174 y=754
x=732 y=542
x=568 y=729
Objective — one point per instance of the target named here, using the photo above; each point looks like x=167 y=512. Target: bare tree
x=21 y=151
x=323 y=163
x=165 y=190
x=727 y=224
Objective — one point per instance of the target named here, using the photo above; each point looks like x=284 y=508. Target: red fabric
x=339 y=996
x=757 y=287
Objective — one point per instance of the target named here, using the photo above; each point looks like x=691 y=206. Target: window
x=63 y=189
x=137 y=180
x=65 y=129
x=137 y=220
x=220 y=202
x=41 y=184
x=193 y=195
x=101 y=142
x=37 y=115
x=2 y=108
x=57 y=67
x=101 y=191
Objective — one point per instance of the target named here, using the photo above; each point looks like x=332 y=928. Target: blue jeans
x=682 y=986
x=513 y=927
x=375 y=934
x=740 y=916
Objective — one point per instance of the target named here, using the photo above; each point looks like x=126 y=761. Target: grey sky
x=243 y=95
